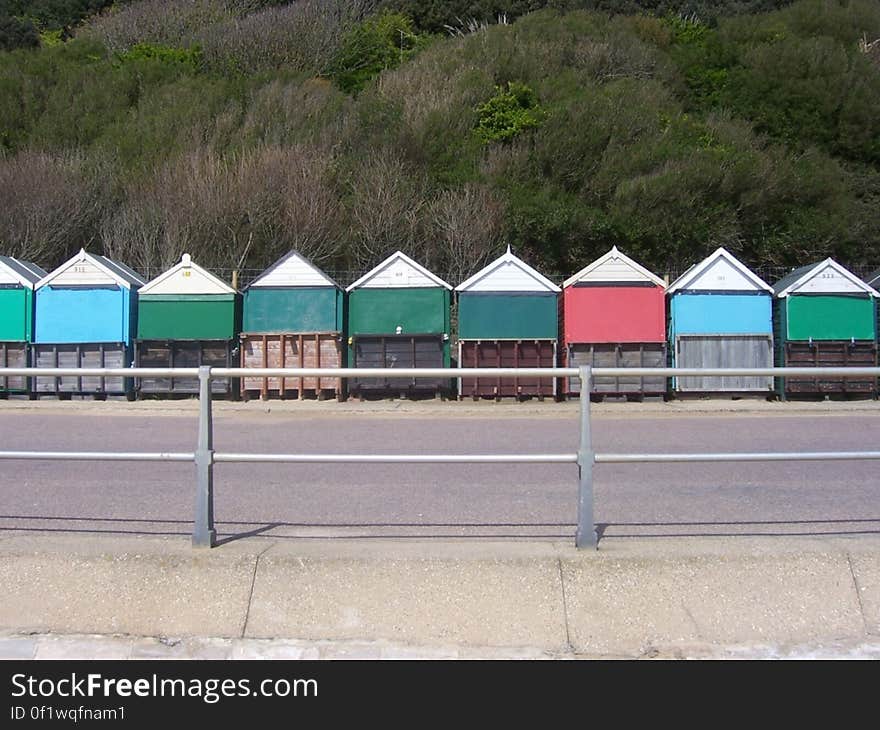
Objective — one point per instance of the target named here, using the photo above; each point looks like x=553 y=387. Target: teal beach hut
x=294 y=317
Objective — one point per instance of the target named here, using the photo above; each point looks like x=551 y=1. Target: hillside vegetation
x=236 y=130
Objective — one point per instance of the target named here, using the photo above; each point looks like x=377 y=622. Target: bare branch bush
x=437 y=81
x=290 y=112
x=242 y=35
x=165 y=22
x=301 y=36
x=385 y=201
x=465 y=229
x=50 y=205
x=227 y=212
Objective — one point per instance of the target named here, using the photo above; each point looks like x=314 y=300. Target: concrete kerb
x=457 y=409
x=693 y=597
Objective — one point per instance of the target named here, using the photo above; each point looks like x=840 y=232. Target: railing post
x=204 y=534
x=586 y=529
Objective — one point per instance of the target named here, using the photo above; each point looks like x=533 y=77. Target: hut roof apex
x=187 y=277
x=399 y=271
x=21 y=272
x=292 y=270
x=636 y=272
x=103 y=271
x=719 y=271
x=805 y=276
x=519 y=276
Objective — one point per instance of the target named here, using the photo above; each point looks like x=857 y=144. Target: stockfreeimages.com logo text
x=209 y=690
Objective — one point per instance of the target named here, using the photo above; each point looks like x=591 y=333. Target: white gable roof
x=86 y=269
x=21 y=273
x=187 y=278
x=614 y=267
x=720 y=271
x=507 y=273
x=293 y=270
x=398 y=271
x=827 y=277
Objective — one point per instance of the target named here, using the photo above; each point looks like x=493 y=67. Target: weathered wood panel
x=619 y=355
x=824 y=354
x=402 y=351
x=507 y=354
x=288 y=350
x=83 y=355
x=14 y=355
x=184 y=354
x=724 y=351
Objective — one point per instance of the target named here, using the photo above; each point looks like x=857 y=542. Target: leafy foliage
x=190 y=58
x=510 y=112
x=377 y=44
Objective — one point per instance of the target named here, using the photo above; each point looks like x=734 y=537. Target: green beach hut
x=187 y=317
x=398 y=316
x=293 y=318
x=17 y=281
x=508 y=316
x=825 y=317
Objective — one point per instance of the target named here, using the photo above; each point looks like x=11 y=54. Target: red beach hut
x=614 y=315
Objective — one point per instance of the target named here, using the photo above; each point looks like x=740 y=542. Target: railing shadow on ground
x=231 y=532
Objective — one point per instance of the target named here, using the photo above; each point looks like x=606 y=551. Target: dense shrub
x=219 y=127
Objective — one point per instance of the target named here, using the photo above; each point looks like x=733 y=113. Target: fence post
x=586 y=529
x=204 y=534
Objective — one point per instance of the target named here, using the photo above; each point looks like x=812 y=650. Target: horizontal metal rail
x=536 y=372
x=98 y=455
x=845 y=372
x=399 y=458
x=770 y=456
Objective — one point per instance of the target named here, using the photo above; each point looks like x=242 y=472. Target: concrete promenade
x=111 y=597
x=92 y=596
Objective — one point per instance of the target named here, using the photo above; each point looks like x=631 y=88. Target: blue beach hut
x=85 y=317
x=721 y=316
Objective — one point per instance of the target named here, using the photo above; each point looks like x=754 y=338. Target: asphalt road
x=424 y=501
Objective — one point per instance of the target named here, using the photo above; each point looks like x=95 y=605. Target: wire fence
x=343 y=277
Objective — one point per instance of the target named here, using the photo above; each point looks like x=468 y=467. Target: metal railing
x=204 y=457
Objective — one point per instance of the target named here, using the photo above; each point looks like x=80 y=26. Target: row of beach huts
x=92 y=312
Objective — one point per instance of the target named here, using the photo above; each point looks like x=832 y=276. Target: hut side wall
x=82 y=355
x=829 y=317
x=185 y=354
x=614 y=314
x=723 y=351
x=401 y=351
x=507 y=316
x=16 y=304
x=292 y=350
x=14 y=355
x=507 y=354
x=73 y=315
x=294 y=309
x=182 y=317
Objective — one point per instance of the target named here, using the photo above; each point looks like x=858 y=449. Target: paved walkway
x=125 y=597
